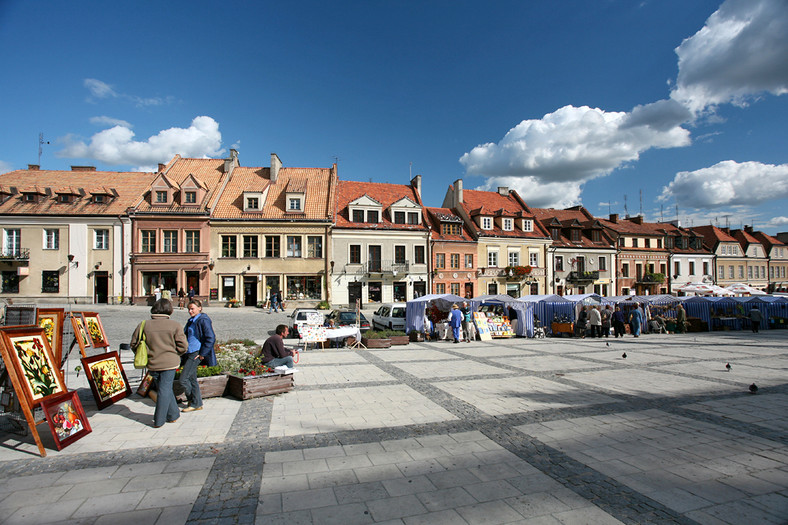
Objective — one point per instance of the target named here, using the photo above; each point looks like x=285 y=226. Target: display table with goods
x=500 y=327
x=562 y=329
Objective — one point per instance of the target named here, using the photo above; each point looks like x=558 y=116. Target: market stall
x=550 y=309
x=416 y=310
x=500 y=311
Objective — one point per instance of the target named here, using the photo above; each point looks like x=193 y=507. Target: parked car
x=391 y=316
x=348 y=318
x=302 y=316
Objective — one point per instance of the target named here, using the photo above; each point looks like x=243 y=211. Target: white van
x=390 y=315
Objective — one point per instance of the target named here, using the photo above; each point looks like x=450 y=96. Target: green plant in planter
x=374 y=334
x=323 y=305
x=203 y=371
x=389 y=333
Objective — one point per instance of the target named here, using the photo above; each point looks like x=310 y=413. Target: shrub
x=374 y=334
x=323 y=305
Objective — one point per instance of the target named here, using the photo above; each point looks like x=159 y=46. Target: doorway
x=250 y=291
x=375 y=292
x=354 y=294
x=193 y=281
x=468 y=290
x=100 y=287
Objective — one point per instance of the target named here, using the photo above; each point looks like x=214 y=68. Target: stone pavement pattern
x=508 y=431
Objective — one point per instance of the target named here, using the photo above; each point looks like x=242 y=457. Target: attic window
x=190 y=197
x=596 y=236
x=508 y=225
x=372 y=216
x=30 y=197
x=161 y=197
x=555 y=233
x=449 y=228
x=252 y=203
x=528 y=225
x=486 y=223
x=575 y=235
x=99 y=199
x=64 y=198
x=413 y=217
x=399 y=217
x=294 y=204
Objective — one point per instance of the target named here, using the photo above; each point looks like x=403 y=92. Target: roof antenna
x=626 y=210
x=410 y=170
x=41 y=143
x=661 y=218
x=641 y=203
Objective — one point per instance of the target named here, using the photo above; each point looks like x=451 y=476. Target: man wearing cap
x=455 y=322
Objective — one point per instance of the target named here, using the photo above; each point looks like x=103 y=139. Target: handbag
x=141 y=352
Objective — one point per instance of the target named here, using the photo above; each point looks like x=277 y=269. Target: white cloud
x=740 y=52
x=99 y=90
x=776 y=222
x=5 y=166
x=116 y=145
x=536 y=193
x=109 y=121
x=728 y=183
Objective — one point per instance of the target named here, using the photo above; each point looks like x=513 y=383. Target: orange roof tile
x=492 y=204
x=384 y=193
x=436 y=216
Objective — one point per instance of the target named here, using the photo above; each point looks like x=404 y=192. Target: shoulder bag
x=141 y=352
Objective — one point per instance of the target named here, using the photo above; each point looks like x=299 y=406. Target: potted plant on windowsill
x=373 y=339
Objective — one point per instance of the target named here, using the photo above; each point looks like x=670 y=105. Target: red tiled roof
x=478 y=203
x=631 y=227
x=207 y=171
x=712 y=235
x=744 y=238
x=384 y=193
x=436 y=216
x=768 y=241
x=575 y=216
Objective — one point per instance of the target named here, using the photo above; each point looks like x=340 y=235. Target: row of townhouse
x=235 y=232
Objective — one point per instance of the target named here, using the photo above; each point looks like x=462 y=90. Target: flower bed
x=248 y=387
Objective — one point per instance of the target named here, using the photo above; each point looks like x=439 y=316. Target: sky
x=666 y=108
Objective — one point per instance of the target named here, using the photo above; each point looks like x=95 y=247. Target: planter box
x=376 y=343
x=416 y=337
x=258 y=386
x=211 y=386
x=399 y=339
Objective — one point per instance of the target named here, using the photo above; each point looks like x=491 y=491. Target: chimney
x=276 y=165
x=231 y=162
x=614 y=217
x=161 y=167
x=415 y=182
x=457 y=193
x=33 y=167
x=637 y=219
x=748 y=229
x=503 y=190
x=83 y=168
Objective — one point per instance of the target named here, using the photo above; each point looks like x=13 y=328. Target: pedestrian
x=191 y=293
x=681 y=319
x=156 y=294
x=607 y=317
x=201 y=339
x=181 y=298
x=635 y=321
x=468 y=331
x=455 y=321
x=582 y=320
x=595 y=319
x=755 y=319
x=618 y=322
x=274 y=352
x=166 y=342
x=274 y=302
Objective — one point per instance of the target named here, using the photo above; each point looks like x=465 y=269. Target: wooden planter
x=258 y=386
x=376 y=343
x=399 y=340
x=416 y=337
x=211 y=386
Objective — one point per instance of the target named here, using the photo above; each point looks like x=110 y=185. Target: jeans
x=189 y=380
x=274 y=306
x=279 y=361
x=166 y=406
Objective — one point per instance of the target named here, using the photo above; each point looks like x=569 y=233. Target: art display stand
x=482 y=327
x=357 y=344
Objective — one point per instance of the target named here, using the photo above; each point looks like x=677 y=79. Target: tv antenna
x=641 y=203
x=626 y=210
x=41 y=143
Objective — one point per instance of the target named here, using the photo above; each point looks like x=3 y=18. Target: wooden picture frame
x=107 y=378
x=66 y=419
x=30 y=356
x=80 y=333
x=98 y=337
x=51 y=320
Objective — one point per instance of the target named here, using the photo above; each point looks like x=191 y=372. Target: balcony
x=389 y=266
x=22 y=254
x=651 y=278
x=582 y=277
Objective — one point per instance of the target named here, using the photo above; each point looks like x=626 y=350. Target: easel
x=358 y=343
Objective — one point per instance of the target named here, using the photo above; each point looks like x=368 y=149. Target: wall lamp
x=211 y=264
x=97 y=266
x=72 y=262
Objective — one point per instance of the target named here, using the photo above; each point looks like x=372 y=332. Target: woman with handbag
x=165 y=342
x=200 y=337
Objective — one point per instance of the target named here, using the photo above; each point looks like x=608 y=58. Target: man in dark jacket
x=274 y=352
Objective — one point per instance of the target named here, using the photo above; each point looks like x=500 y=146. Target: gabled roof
x=437 y=216
x=633 y=226
x=124 y=187
x=712 y=235
x=768 y=241
x=478 y=203
x=209 y=172
x=745 y=238
x=384 y=193
x=576 y=217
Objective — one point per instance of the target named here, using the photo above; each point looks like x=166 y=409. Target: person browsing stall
x=199 y=333
x=274 y=352
x=455 y=321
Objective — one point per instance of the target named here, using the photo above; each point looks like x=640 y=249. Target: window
x=100 y=199
x=101 y=239
x=624 y=269
x=294 y=246
x=192 y=241
x=413 y=217
x=161 y=197
x=735 y=251
x=399 y=255
x=634 y=242
x=295 y=205
x=10 y=282
x=314 y=247
x=492 y=259
x=455 y=288
x=252 y=203
x=372 y=216
x=486 y=223
x=440 y=260
x=705 y=268
x=64 y=198
x=440 y=288
x=559 y=263
x=533 y=259
x=596 y=236
x=514 y=258
x=455 y=262
x=190 y=197
x=528 y=225
x=31 y=197
x=741 y=272
x=692 y=267
x=169 y=241
x=418 y=255
x=676 y=268
x=229 y=246
x=469 y=260
x=272 y=245
x=771 y=272
x=449 y=228
x=575 y=233
x=555 y=233
x=621 y=242
x=602 y=264
x=749 y=272
x=250 y=245
x=355 y=254
x=399 y=217
x=12 y=242
x=51 y=239
x=647 y=243
x=508 y=224
x=659 y=243
x=358 y=215
x=148 y=241
x=730 y=272
x=50 y=281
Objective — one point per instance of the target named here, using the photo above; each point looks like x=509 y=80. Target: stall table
x=563 y=328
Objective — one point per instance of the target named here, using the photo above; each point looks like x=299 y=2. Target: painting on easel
x=33 y=363
x=51 y=320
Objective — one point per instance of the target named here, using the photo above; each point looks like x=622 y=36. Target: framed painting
x=95 y=329
x=30 y=356
x=106 y=378
x=66 y=418
x=51 y=320
x=80 y=333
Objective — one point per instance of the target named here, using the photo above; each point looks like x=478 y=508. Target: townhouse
x=66 y=235
x=454 y=253
x=379 y=243
x=511 y=243
x=581 y=258
x=689 y=261
x=755 y=258
x=777 y=254
x=729 y=258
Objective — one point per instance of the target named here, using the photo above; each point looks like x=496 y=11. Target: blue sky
x=669 y=103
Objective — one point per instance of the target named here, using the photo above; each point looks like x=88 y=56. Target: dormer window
x=190 y=197
x=294 y=204
x=372 y=216
x=64 y=198
x=555 y=233
x=413 y=217
x=508 y=224
x=575 y=235
x=528 y=225
x=161 y=197
x=399 y=217
x=451 y=228
x=252 y=203
x=30 y=197
x=358 y=215
x=487 y=223
x=99 y=199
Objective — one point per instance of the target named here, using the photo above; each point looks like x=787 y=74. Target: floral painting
x=51 y=320
x=95 y=329
x=40 y=374
x=66 y=419
x=106 y=377
x=79 y=332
